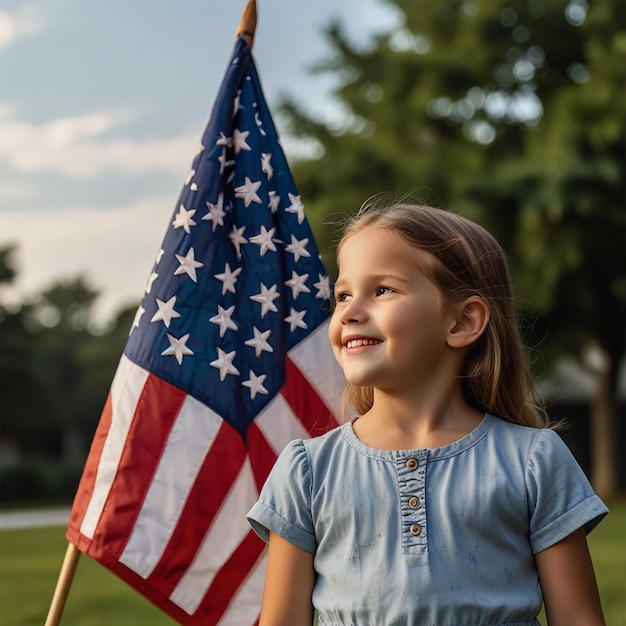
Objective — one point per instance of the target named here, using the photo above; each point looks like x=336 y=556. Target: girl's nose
x=352 y=312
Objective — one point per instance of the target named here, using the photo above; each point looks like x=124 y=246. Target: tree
x=511 y=111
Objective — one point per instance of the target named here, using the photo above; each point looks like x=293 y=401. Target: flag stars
x=228 y=278
x=224 y=162
x=296 y=207
x=323 y=287
x=297 y=284
x=248 y=191
x=264 y=240
x=223 y=140
x=166 y=311
x=224 y=363
x=266 y=299
x=237 y=239
x=216 y=212
x=255 y=384
x=137 y=319
x=178 y=348
x=223 y=319
x=259 y=341
x=190 y=175
x=188 y=265
x=295 y=319
x=184 y=219
x=266 y=165
x=150 y=282
x=274 y=201
x=298 y=248
x=239 y=140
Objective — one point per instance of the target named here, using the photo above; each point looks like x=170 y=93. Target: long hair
x=465 y=260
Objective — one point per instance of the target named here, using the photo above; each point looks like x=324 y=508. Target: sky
x=102 y=104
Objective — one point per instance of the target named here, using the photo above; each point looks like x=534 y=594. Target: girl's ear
x=471 y=320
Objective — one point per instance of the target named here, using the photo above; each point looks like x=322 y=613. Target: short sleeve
x=284 y=506
x=561 y=499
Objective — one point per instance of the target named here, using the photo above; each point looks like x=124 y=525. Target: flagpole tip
x=247 y=23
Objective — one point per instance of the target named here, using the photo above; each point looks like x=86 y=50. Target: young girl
x=447 y=501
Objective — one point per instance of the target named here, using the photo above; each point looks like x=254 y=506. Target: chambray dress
x=444 y=536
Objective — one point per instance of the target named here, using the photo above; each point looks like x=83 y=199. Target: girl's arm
x=289 y=581
x=568 y=583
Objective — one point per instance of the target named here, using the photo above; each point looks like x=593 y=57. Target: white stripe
x=126 y=388
x=246 y=604
x=192 y=435
x=315 y=359
x=279 y=424
x=228 y=530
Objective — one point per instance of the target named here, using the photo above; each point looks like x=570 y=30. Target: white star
x=296 y=284
x=188 y=265
x=222 y=319
x=259 y=123
x=159 y=255
x=224 y=162
x=274 y=201
x=178 y=347
x=228 y=278
x=236 y=104
x=323 y=287
x=259 y=343
x=224 y=363
x=189 y=176
x=266 y=299
x=237 y=239
x=140 y=311
x=298 y=248
x=151 y=280
x=266 y=166
x=296 y=207
x=239 y=140
x=166 y=311
x=264 y=240
x=255 y=384
x=248 y=191
x=294 y=319
x=224 y=141
x=216 y=212
x=199 y=149
x=183 y=218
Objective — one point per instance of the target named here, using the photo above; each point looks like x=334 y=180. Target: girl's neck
x=416 y=423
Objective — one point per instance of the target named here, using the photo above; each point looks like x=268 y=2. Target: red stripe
x=305 y=402
x=88 y=478
x=230 y=577
x=218 y=473
x=262 y=455
x=142 y=450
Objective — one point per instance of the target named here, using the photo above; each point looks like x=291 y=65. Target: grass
x=30 y=561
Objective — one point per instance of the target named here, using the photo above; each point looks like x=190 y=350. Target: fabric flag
x=227 y=360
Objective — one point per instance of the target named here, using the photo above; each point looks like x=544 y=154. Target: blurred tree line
x=511 y=112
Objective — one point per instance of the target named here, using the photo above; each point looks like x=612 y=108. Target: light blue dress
x=443 y=537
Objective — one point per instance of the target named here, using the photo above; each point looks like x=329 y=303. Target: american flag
x=227 y=360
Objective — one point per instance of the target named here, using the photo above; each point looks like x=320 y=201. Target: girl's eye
x=342 y=297
x=381 y=291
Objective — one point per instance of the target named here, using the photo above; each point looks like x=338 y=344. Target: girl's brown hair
x=466 y=261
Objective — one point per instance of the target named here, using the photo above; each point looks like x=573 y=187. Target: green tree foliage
x=511 y=112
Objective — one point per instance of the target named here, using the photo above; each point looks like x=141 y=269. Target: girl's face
x=390 y=323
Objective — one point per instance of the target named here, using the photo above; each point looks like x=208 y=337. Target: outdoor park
x=510 y=112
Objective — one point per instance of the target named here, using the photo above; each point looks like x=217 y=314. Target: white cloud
x=113 y=247
x=25 y=21
x=74 y=146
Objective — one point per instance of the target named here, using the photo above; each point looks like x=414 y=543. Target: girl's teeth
x=355 y=343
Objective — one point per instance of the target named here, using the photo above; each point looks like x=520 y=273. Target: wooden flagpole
x=246 y=29
x=63 y=585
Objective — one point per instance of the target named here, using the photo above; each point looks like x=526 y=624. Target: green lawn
x=30 y=561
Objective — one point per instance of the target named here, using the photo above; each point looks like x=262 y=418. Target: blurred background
x=511 y=112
